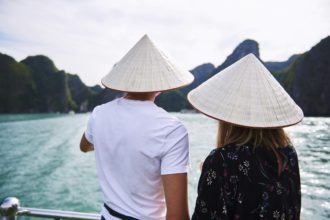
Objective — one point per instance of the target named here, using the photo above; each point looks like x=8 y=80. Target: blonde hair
x=270 y=138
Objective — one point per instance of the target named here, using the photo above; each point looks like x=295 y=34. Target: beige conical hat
x=145 y=68
x=246 y=94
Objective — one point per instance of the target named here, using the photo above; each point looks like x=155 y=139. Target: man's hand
x=85 y=146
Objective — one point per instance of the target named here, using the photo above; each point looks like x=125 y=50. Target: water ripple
x=42 y=165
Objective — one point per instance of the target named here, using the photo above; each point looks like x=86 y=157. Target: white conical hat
x=146 y=69
x=246 y=94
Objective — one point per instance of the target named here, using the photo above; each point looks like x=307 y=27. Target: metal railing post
x=9 y=208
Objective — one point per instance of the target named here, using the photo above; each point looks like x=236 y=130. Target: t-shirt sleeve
x=175 y=156
x=89 y=129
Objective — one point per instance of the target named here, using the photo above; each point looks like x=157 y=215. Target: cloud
x=88 y=37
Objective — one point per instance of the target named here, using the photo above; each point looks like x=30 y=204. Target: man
x=142 y=152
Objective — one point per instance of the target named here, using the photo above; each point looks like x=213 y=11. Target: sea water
x=40 y=161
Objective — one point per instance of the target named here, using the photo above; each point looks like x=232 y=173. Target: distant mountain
x=243 y=49
x=173 y=101
x=277 y=66
x=17 y=87
x=203 y=73
x=84 y=98
x=51 y=89
x=36 y=85
x=308 y=79
x=176 y=100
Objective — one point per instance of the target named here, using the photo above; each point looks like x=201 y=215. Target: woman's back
x=244 y=183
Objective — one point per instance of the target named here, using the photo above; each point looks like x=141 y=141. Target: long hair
x=270 y=138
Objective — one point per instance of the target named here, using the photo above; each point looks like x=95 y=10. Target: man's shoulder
x=166 y=120
x=105 y=106
x=170 y=118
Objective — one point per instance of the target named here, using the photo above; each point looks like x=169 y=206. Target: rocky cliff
x=275 y=66
x=243 y=49
x=307 y=79
x=176 y=101
x=36 y=85
x=52 y=93
x=17 y=87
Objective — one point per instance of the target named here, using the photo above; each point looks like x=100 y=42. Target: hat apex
x=246 y=94
x=145 y=68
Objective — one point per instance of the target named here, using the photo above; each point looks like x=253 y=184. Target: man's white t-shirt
x=136 y=142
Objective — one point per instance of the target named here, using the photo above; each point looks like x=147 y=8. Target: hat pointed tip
x=146 y=36
x=251 y=56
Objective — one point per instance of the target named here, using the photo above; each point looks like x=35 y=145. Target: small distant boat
x=188 y=111
x=71 y=112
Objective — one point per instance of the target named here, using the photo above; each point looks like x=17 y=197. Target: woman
x=253 y=173
x=141 y=151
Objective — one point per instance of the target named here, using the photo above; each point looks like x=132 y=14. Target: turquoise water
x=40 y=161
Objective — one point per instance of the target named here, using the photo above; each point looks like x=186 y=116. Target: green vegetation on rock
x=36 y=85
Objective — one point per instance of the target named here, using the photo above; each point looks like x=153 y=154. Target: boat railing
x=10 y=209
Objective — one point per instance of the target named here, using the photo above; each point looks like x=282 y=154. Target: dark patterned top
x=243 y=183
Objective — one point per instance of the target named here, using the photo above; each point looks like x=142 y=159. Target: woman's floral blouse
x=243 y=183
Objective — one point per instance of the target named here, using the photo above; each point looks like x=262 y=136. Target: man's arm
x=85 y=145
x=176 y=196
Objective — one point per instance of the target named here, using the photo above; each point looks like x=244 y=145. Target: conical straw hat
x=246 y=94
x=146 y=69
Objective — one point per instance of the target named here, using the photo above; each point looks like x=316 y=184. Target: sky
x=87 y=37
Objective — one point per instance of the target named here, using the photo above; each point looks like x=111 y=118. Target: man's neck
x=140 y=96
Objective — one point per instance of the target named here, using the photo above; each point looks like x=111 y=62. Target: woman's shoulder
x=229 y=153
x=248 y=150
x=289 y=149
x=234 y=152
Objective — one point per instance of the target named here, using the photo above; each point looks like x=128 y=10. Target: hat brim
x=160 y=90
x=241 y=125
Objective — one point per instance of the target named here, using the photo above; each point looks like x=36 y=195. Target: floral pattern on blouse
x=243 y=183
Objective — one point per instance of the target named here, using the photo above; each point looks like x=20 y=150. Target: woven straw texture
x=246 y=94
x=146 y=69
